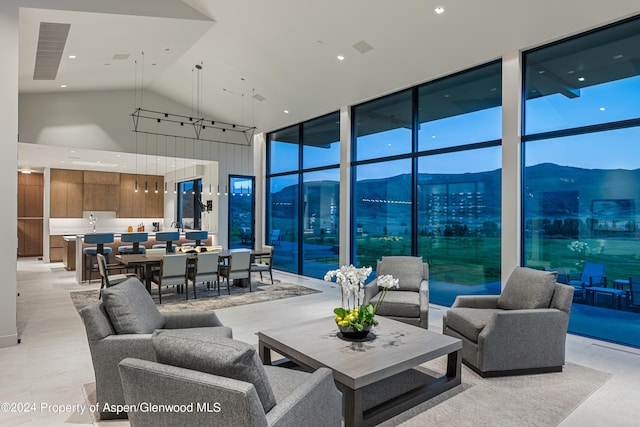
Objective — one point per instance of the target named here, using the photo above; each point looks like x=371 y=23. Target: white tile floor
x=53 y=362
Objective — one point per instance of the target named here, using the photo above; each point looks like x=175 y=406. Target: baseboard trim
x=8 y=340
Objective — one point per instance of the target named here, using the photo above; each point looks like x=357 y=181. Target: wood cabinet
x=30 y=214
x=73 y=192
x=66 y=195
x=56 y=248
x=101 y=191
x=141 y=204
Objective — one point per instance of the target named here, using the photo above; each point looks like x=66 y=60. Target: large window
x=582 y=173
x=303 y=201
x=427 y=175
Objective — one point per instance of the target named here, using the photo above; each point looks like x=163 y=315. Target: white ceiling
x=285 y=50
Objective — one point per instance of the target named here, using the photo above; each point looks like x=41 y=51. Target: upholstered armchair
x=222 y=382
x=409 y=303
x=120 y=326
x=521 y=331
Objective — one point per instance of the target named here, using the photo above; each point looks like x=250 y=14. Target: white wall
x=8 y=168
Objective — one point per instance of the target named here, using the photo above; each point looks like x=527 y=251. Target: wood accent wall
x=30 y=214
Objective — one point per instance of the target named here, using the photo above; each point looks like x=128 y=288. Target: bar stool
x=136 y=239
x=198 y=236
x=99 y=239
x=169 y=237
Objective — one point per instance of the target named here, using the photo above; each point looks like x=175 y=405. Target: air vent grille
x=51 y=42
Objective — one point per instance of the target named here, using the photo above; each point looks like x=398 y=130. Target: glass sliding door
x=241 y=211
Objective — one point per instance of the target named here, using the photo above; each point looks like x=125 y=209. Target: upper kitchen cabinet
x=67 y=187
x=101 y=191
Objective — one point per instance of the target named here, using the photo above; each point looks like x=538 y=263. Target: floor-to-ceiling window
x=426 y=174
x=581 y=184
x=303 y=197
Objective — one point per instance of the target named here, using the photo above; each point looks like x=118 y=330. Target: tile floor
x=52 y=362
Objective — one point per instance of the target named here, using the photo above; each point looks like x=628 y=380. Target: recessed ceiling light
x=72 y=57
x=63 y=85
x=618 y=56
x=581 y=79
x=439 y=10
x=286 y=111
x=72 y=151
x=340 y=58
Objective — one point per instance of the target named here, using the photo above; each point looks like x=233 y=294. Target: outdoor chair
x=275 y=237
x=409 y=303
x=201 y=373
x=120 y=326
x=634 y=292
x=521 y=331
x=592 y=275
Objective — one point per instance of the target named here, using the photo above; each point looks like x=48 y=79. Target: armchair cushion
x=528 y=288
x=469 y=322
x=215 y=355
x=407 y=269
x=130 y=308
x=400 y=304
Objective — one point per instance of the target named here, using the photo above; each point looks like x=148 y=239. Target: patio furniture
x=634 y=292
x=409 y=303
x=275 y=237
x=592 y=275
x=521 y=331
x=222 y=382
x=120 y=326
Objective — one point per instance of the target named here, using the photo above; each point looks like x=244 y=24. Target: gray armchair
x=121 y=325
x=521 y=331
x=222 y=382
x=409 y=303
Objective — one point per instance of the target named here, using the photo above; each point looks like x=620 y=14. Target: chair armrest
x=316 y=402
x=370 y=291
x=518 y=337
x=424 y=304
x=196 y=319
x=476 y=301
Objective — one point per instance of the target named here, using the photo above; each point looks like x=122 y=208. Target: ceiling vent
x=258 y=97
x=362 y=46
x=51 y=42
x=120 y=56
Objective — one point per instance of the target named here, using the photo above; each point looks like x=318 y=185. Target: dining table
x=149 y=261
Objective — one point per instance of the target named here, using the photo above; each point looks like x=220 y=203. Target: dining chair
x=173 y=271
x=264 y=263
x=205 y=270
x=106 y=278
x=238 y=267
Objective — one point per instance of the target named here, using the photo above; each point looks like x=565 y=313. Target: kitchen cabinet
x=66 y=193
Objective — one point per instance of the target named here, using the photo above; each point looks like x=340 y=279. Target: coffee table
x=381 y=364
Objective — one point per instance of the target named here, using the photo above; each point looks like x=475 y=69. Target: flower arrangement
x=352 y=315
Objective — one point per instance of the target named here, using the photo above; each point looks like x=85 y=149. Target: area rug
x=208 y=299
x=527 y=400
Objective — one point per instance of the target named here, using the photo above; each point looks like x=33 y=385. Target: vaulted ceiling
x=260 y=58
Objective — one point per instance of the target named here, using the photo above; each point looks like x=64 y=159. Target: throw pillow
x=407 y=269
x=215 y=355
x=528 y=288
x=131 y=308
